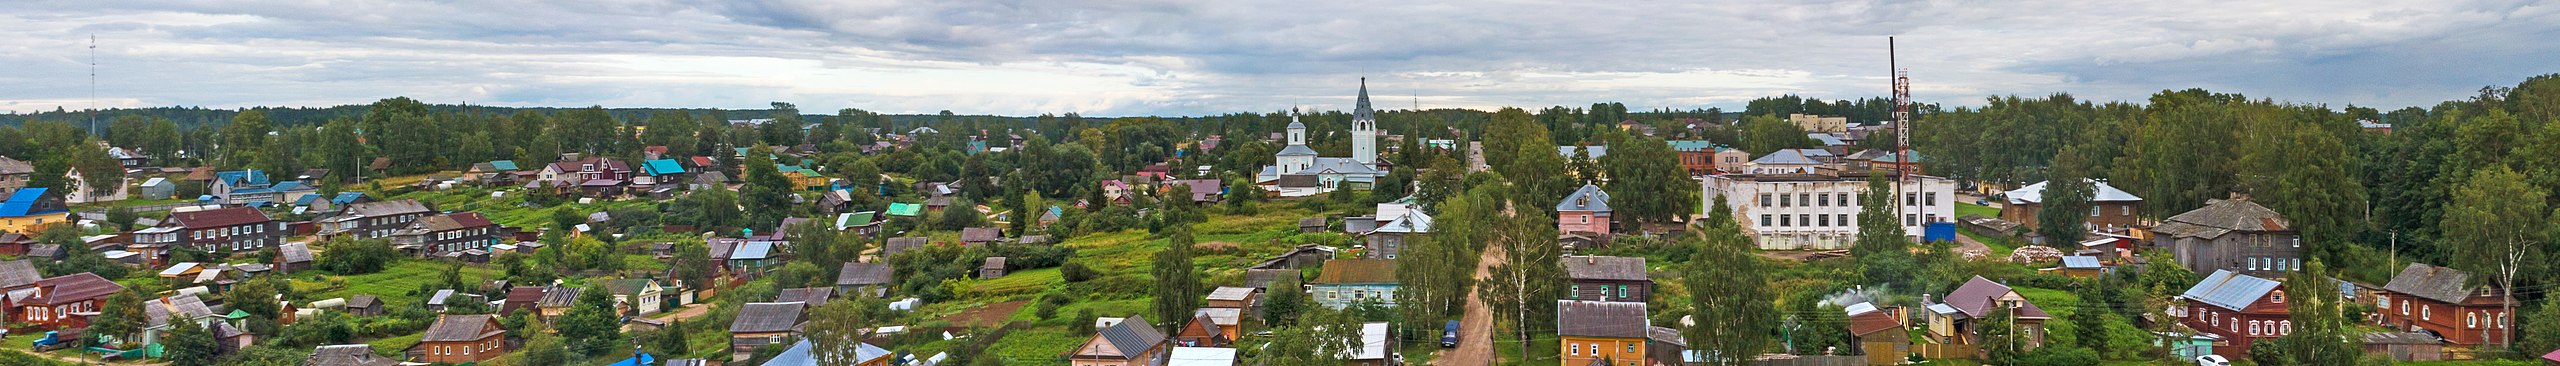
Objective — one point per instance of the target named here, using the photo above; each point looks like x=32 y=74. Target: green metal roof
x=905 y=209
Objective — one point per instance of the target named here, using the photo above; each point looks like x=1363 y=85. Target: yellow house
x=1601 y=330
x=29 y=209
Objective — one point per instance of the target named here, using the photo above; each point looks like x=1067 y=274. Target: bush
x=2059 y=356
x=355 y=256
x=1078 y=272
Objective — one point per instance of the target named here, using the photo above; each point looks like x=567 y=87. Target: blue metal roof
x=306 y=200
x=1588 y=198
x=752 y=250
x=662 y=166
x=347 y=197
x=241 y=177
x=22 y=203
x=2230 y=290
x=2080 y=262
x=503 y=164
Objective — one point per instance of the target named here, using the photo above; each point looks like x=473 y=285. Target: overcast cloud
x=1153 y=57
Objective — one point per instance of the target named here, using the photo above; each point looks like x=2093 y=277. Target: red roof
x=703 y=161
x=73 y=287
x=219 y=217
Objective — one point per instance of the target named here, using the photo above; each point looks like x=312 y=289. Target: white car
x=2212 y=360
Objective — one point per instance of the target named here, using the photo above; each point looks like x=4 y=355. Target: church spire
x=1360 y=110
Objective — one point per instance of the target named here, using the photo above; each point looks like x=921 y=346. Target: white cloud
x=1190 y=58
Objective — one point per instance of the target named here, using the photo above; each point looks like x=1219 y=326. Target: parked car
x=1449 y=334
x=2212 y=360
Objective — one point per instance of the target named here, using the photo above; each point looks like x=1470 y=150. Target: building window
x=2288 y=328
x=1909 y=199
x=1844 y=200
x=1764 y=220
x=2279 y=297
x=2471 y=320
x=1933 y=199
x=2426 y=312
x=1783 y=221
x=1786 y=201
x=1910 y=220
x=2253 y=328
x=1804 y=199
x=1844 y=219
x=1825 y=200
x=1826 y=219
x=1805 y=219
x=2384 y=301
x=2093 y=211
x=1576 y=349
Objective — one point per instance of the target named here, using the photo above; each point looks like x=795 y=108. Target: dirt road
x=1475 y=328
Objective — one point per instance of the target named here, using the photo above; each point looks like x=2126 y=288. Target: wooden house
x=2439 y=300
x=458 y=339
x=1346 y=281
x=1591 y=331
x=2232 y=234
x=1129 y=342
x=2240 y=308
x=1601 y=278
x=759 y=324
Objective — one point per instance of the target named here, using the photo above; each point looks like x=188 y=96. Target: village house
x=522 y=298
x=1599 y=278
x=864 y=279
x=293 y=257
x=1600 y=330
x=364 y=305
x=654 y=172
x=15 y=173
x=1698 y=157
x=1388 y=239
x=1585 y=212
x=814 y=296
x=60 y=302
x=762 y=323
x=252 y=187
x=1346 y=281
x=29 y=210
x=979 y=235
x=1955 y=320
x=1230 y=321
x=556 y=301
x=168 y=311
x=1127 y=342
x=2108 y=207
x=1234 y=297
x=462 y=339
x=2239 y=308
x=803 y=353
x=2232 y=234
x=221 y=231
x=2441 y=301
x=374 y=220
x=1878 y=333
x=572 y=172
x=636 y=296
x=346 y=355
x=1201 y=332
x=1817 y=211
x=438 y=235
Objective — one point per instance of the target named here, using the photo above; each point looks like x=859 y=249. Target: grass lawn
x=20 y=342
x=2000 y=248
x=1968 y=208
x=2473 y=363
x=396 y=283
x=1036 y=346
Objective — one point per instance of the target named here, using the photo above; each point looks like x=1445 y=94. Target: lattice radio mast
x=1902 y=158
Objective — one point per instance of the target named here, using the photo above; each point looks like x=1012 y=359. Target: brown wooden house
x=1600 y=278
x=463 y=339
x=1130 y=342
x=2240 y=308
x=2441 y=301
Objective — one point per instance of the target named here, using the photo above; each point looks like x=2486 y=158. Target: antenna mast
x=93 y=83
x=1901 y=125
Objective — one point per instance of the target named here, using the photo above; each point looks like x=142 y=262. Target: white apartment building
x=1820 y=211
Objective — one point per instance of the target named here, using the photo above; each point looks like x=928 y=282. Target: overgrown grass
x=398 y=283
x=1541 y=351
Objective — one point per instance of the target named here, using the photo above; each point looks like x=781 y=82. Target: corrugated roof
x=1131 y=336
x=1224 y=293
x=294 y=252
x=1785 y=157
x=2080 y=262
x=1596 y=151
x=2034 y=193
x=1610 y=319
x=2230 y=290
x=1412 y=222
x=347 y=355
x=1296 y=150
x=19 y=273
x=662 y=167
x=752 y=250
x=388 y=208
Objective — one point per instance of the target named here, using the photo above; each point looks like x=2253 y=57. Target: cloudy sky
x=1154 y=57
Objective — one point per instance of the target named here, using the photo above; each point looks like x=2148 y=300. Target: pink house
x=1584 y=211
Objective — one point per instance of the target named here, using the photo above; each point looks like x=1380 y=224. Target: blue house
x=1347 y=281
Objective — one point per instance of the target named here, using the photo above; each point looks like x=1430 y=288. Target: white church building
x=1296 y=171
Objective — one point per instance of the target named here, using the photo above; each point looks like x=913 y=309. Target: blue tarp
x=643 y=359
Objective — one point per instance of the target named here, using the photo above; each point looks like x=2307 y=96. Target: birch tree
x=2494 y=226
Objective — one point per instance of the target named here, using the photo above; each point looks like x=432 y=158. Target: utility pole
x=93 y=83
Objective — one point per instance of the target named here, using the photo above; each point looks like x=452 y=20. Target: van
x=1449 y=334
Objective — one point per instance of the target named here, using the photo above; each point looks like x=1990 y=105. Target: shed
x=993 y=267
x=158 y=189
x=2404 y=346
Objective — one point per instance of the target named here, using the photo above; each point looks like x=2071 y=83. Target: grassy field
x=395 y=284
x=394 y=345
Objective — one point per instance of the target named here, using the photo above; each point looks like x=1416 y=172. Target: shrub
x=1078 y=272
